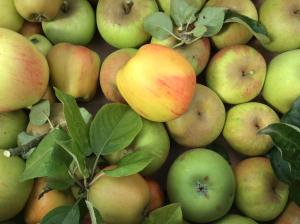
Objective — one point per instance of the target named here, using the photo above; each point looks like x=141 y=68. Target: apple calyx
x=248 y=73
x=38 y=17
x=297 y=12
x=65 y=7
x=127 y=6
x=202 y=188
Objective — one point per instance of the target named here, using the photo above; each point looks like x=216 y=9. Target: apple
x=236 y=219
x=75 y=23
x=28 y=29
x=14 y=193
x=157 y=196
x=291 y=214
x=36 y=208
x=236 y=73
x=121 y=22
x=203 y=182
x=153 y=139
x=165 y=5
x=10 y=18
x=242 y=124
x=259 y=194
x=120 y=199
x=282 y=84
x=38 y=10
x=74 y=69
x=234 y=33
x=202 y=123
x=41 y=42
x=284 y=28
x=23 y=71
x=109 y=69
x=158 y=83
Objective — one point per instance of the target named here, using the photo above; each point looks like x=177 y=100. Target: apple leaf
x=159 y=25
x=94 y=213
x=199 y=30
x=86 y=115
x=24 y=138
x=294 y=192
x=114 y=128
x=293 y=115
x=130 y=164
x=169 y=214
x=63 y=215
x=257 y=29
x=40 y=112
x=182 y=12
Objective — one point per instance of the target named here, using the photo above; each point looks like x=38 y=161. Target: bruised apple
x=158 y=83
x=24 y=72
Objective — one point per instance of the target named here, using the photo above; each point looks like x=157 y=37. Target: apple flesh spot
x=236 y=219
x=291 y=215
x=236 y=73
x=259 y=195
x=158 y=83
x=24 y=72
x=10 y=18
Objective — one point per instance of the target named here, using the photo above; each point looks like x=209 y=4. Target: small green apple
x=10 y=18
x=236 y=219
x=41 y=42
x=165 y=5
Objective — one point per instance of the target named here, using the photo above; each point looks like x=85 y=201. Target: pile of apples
x=199 y=97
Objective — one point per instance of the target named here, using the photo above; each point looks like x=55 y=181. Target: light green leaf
x=94 y=213
x=182 y=12
x=293 y=115
x=24 y=138
x=86 y=115
x=40 y=112
x=159 y=25
x=199 y=30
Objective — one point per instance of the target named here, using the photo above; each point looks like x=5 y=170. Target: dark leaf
x=293 y=115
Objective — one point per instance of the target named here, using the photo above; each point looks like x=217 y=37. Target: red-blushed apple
x=236 y=73
x=10 y=18
x=157 y=196
x=202 y=181
x=291 y=215
x=235 y=219
x=108 y=72
x=24 y=72
x=158 y=83
x=41 y=42
x=243 y=122
x=74 y=69
x=202 y=123
x=259 y=194
x=234 y=33
x=30 y=28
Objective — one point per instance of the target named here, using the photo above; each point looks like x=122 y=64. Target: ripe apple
x=282 y=84
x=109 y=69
x=36 y=208
x=10 y=18
x=38 y=10
x=202 y=123
x=234 y=33
x=157 y=196
x=259 y=195
x=41 y=42
x=158 y=83
x=236 y=219
x=14 y=193
x=23 y=71
x=75 y=23
x=74 y=69
x=28 y=29
x=242 y=123
x=203 y=182
x=165 y=5
x=121 y=22
x=283 y=28
x=120 y=199
x=291 y=215
x=236 y=73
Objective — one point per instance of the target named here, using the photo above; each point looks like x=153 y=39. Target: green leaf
x=256 y=28
x=182 y=12
x=131 y=164
x=114 y=128
x=77 y=128
x=169 y=214
x=293 y=115
x=40 y=113
x=94 y=213
x=199 y=30
x=63 y=215
x=294 y=192
x=159 y=25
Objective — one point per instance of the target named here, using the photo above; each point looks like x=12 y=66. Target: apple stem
x=65 y=6
x=127 y=6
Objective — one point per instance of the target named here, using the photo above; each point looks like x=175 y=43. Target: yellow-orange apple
x=291 y=215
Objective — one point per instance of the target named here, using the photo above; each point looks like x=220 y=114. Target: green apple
x=14 y=193
x=75 y=23
x=291 y=214
x=165 y=5
x=10 y=18
x=236 y=219
x=283 y=28
x=11 y=124
x=121 y=22
x=282 y=84
x=234 y=33
x=202 y=123
x=41 y=42
x=203 y=182
x=259 y=195
x=154 y=139
x=242 y=124
x=236 y=73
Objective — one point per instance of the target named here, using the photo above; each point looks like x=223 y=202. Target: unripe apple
x=41 y=42
x=10 y=18
x=165 y=5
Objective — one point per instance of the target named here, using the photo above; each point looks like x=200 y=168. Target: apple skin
x=108 y=72
x=76 y=24
x=259 y=195
x=283 y=29
x=74 y=69
x=165 y=5
x=158 y=83
x=14 y=193
x=236 y=219
x=10 y=18
x=234 y=33
x=202 y=123
x=242 y=124
x=41 y=42
x=236 y=73
x=282 y=84
x=28 y=29
x=291 y=214
x=23 y=69
x=123 y=29
x=157 y=196
x=203 y=182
